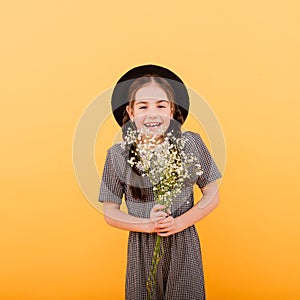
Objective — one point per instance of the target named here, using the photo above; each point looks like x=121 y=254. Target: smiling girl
x=154 y=100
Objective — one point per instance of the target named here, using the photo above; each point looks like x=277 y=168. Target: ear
x=129 y=110
x=172 y=112
x=172 y=115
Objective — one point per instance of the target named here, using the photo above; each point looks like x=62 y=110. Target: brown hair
x=136 y=186
x=164 y=84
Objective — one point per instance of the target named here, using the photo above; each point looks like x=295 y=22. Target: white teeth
x=152 y=124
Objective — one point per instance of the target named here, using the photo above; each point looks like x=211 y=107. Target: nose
x=152 y=116
x=153 y=111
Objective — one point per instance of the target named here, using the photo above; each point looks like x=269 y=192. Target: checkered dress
x=180 y=272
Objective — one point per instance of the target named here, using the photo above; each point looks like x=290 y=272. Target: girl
x=154 y=99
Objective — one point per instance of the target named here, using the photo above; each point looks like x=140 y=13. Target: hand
x=156 y=215
x=168 y=226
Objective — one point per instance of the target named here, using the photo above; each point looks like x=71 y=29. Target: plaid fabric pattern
x=180 y=271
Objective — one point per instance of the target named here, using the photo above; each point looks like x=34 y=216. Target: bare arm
x=158 y=221
x=119 y=219
x=205 y=206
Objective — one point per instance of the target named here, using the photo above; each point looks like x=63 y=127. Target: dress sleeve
x=208 y=166
x=111 y=187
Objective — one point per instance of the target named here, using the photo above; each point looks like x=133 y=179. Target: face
x=151 y=109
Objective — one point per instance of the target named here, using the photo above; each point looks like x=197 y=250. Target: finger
x=157 y=220
x=161 y=227
x=167 y=220
x=165 y=226
x=163 y=223
x=161 y=214
x=158 y=207
x=162 y=231
x=164 y=234
x=158 y=225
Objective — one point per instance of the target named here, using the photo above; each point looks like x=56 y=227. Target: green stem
x=151 y=281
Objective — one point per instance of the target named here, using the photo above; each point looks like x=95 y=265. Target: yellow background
x=56 y=56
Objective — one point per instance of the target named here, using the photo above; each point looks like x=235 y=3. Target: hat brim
x=119 y=99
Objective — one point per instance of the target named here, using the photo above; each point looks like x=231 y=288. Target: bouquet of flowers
x=167 y=166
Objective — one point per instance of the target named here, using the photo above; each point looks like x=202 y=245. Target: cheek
x=138 y=123
x=167 y=119
x=138 y=114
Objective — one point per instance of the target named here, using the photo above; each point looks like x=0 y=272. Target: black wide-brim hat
x=119 y=99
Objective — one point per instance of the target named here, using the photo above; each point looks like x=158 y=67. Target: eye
x=142 y=107
x=161 y=106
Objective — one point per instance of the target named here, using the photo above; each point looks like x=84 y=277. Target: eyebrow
x=145 y=102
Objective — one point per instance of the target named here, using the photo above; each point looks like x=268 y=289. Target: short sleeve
x=208 y=166
x=111 y=187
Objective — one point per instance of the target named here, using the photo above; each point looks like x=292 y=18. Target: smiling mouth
x=152 y=125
